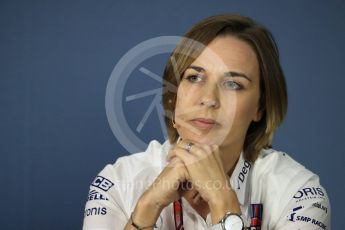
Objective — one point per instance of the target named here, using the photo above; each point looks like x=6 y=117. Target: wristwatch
x=230 y=221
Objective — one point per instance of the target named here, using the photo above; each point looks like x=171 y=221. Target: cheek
x=245 y=110
x=184 y=101
x=227 y=112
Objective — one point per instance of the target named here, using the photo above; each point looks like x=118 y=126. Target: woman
x=217 y=170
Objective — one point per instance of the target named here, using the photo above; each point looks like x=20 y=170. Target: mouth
x=204 y=123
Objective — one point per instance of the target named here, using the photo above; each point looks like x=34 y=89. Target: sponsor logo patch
x=102 y=183
x=292 y=215
x=96 y=211
x=242 y=175
x=320 y=206
x=256 y=216
x=309 y=193
x=307 y=219
x=94 y=195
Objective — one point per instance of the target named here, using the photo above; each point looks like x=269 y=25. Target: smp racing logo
x=293 y=214
x=295 y=217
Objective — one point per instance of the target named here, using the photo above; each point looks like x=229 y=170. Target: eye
x=232 y=85
x=194 y=78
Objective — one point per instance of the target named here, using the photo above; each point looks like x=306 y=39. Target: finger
x=194 y=148
x=208 y=149
x=183 y=144
x=170 y=155
x=187 y=159
x=201 y=151
x=196 y=198
x=175 y=162
x=179 y=145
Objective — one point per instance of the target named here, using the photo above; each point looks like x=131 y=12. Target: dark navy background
x=57 y=56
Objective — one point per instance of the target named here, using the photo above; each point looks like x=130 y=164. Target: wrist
x=146 y=211
x=223 y=203
x=148 y=201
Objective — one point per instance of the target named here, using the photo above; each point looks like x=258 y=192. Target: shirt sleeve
x=309 y=209
x=104 y=209
x=215 y=227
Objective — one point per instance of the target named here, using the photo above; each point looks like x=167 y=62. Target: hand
x=206 y=171
x=204 y=166
x=166 y=187
x=163 y=191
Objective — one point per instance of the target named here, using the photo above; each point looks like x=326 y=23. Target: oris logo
x=309 y=193
x=102 y=183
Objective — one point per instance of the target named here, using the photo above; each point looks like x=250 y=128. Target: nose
x=210 y=97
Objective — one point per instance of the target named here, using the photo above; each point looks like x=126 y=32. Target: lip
x=204 y=123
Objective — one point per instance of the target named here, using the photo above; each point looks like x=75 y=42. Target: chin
x=209 y=138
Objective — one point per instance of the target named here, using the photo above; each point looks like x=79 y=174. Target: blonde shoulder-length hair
x=273 y=92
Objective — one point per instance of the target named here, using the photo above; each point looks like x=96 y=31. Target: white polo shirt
x=275 y=191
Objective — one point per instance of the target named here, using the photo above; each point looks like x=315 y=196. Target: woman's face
x=218 y=95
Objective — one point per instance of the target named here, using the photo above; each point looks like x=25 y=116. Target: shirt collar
x=239 y=178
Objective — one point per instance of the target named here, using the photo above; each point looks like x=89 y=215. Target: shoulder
x=286 y=184
x=117 y=186
x=279 y=166
x=152 y=158
x=130 y=167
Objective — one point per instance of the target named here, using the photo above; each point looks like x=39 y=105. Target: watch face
x=233 y=222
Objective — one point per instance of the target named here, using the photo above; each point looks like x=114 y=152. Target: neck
x=230 y=154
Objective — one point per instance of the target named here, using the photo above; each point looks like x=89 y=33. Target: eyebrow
x=226 y=74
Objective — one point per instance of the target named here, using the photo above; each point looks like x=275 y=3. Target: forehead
x=228 y=53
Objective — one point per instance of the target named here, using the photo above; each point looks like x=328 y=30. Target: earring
x=173 y=119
